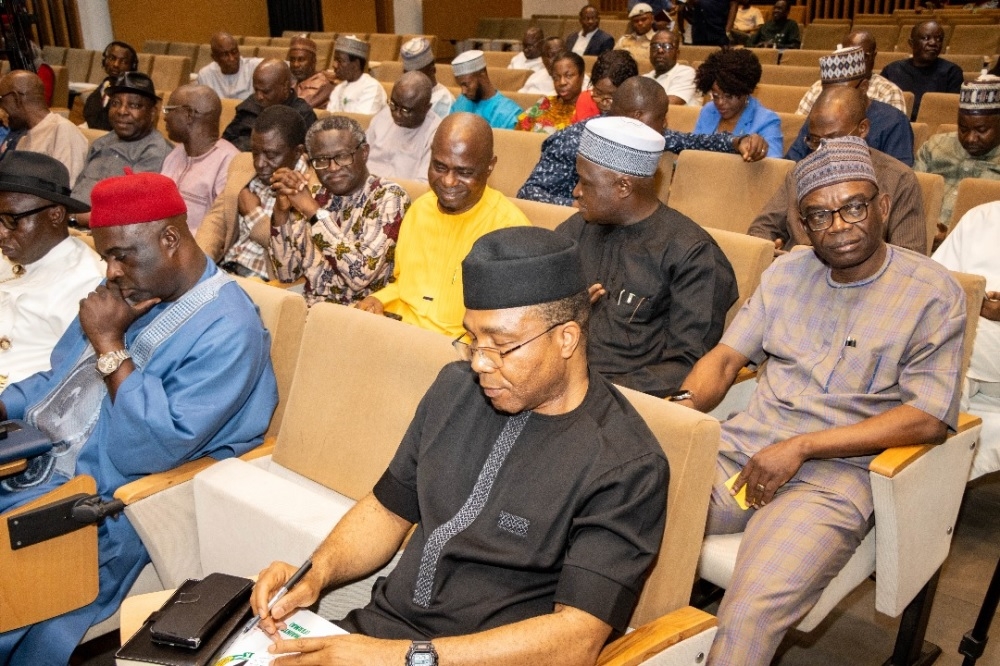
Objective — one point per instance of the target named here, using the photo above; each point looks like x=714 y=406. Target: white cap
x=641 y=8
x=468 y=62
x=625 y=145
x=352 y=45
x=416 y=54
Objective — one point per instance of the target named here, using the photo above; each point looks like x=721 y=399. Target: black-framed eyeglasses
x=851 y=213
x=491 y=356
x=341 y=159
x=10 y=220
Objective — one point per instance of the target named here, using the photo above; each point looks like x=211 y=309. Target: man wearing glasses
x=677 y=80
x=843 y=382
x=45 y=272
x=200 y=160
x=400 y=135
x=272 y=84
x=840 y=111
x=337 y=228
x=535 y=488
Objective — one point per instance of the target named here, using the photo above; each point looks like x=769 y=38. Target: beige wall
x=349 y=16
x=186 y=20
x=457 y=19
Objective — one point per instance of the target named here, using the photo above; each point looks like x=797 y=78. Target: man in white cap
x=534 y=489
x=358 y=91
x=638 y=39
x=660 y=285
x=889 y=129
x=878 y=87
x=400 y=135
x=973 y=151
x=418 y=56
x=311 y=86
x=842 y=383
x=229 y=74
x=479 y=95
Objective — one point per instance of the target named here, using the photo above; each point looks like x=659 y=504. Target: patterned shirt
x=943 y=154
x=548 y=115
x=347 y=250
x=879 y=88
x=554 y=177
x=245 y=251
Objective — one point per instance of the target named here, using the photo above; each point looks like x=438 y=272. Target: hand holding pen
x=290 y=593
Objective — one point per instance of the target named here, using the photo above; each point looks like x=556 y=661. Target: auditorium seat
x=782 y=99
x=973 y=192
x=683 y=118
x=170 y=72
x=498 y=58
x=822 y=37
x=507 y=80
x=791 y=123
x=517 y=154
x=78 y=65
x=383 y=47
x=790 y=75
x=749 y=257
x=803 y=57
x=884 y=34
x=54 y=55
x=388 y=70
x=186 y=49
x=921 y=132
x=277 y=52
x=883 y=58
x=204 y=57
x=251 y=40
x=932 y=195
x=155 y=46
x=937 y=108
x=523 y=100
x=545 y=215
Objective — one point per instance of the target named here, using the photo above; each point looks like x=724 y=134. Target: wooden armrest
x=892 y=461
x=265 y=449
x=284 y=285
x=744 y=374
x=13 y=467
x=651 y=639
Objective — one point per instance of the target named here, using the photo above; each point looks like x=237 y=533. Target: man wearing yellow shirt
x=441 y=226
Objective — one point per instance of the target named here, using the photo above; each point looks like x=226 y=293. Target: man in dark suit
x=592 y=40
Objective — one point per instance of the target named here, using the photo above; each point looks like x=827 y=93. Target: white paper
x=251 y=649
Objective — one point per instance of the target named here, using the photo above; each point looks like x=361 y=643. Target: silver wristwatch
x=109 y=362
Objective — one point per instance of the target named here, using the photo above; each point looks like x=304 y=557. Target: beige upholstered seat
x=824 y=37
x=517 y=154
x=932 y=193
x=187 y=49
x=790 y=75
x=383 y=47
x=975 y=39
x=782 y=99
x=973 y=192
x=155 y=46
x=78 y=64
x=546 y=215
x=937 y=108
x=749 y=257
x=170 y=71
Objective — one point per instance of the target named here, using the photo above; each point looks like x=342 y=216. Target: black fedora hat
x=134 y=82
x=40 y=175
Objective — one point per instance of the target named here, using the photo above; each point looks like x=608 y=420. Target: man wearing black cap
x=536 y=490
x=134 y=142
x=119 y=58
x=45 y=272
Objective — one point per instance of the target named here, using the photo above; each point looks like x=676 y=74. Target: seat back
x=513 y=28
x=145 y=61
x=553 y=27
x=186 y=49
x=251 y=40
x=54 y=55
x=802 y=57
x=683 y=118
x=383 y=47
x=690 y=441
x=701 y=176
x=975 y=39
x=883 y=58
x=783 y=99
x=508 y=80
x=204 y=57
x=973 y=192
x=937 y=108
x=170 y=71
x=824 y=36
x=228 y=111
x=489 y=28
x=886 y=33
x=389 y=71
x=276 y=52
x=523 y=100
x=972 y=63
x=791 y=123
x=790 y=75
x=932 y=194
x=60 y=87
x=498 y=58
x=517 y=154
x=337 y=429
x=749 y=256
x=78 y=65
x=364 y=119
x=155 y=46
x=545 y=215
x=616 y=28
x=283 y=314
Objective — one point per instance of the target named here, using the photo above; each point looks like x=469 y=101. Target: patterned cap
x=302 y=42
x=843 y=65
x=981 y=96
x=468 y=62
x=843 y=160
x=621 y=144
x=641 y=8
x=416 y=54
x=352 y=46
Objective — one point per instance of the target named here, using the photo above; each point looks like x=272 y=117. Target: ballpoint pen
x=282 y=591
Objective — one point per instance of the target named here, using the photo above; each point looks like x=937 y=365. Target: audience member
x=677 y=80
x=555 y=112
x=134 y=141
x=746 y=23
x=418 y=56
x=530 y=56
x=640 y=34
x=358 y=91
x=889 y=129
x=539 y=433
x=441 y=226
x=969 y=249
x=229 y=74
x=925 y=72
x=272 y=84
x=236 y=232
x=590 y=39
x=311 y=86
x=400 y=136
x=879 y=89
x=554 y=177
x=780 y=32
x=479 y=95
x=117 y=59
x=167 y=362
x=22 y=98
x=842 y=383
x=542 y=80
x=200 y=161
x=709 y=21
x=730 y=76
x=45 y=272
x=660 y=285
x=340 y=233
x=840 y=111
x=610 y=70
x=973 y=151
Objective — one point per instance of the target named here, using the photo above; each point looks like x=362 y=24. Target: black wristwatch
x=421 y=653
x=678 y=396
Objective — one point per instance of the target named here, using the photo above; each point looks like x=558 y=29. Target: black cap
x=519 y=266
x=40 y=175
x=134 y=82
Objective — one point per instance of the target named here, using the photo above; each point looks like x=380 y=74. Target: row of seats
x=85 y=69
x=959 y=38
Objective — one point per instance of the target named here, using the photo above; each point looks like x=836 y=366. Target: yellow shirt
x=426 y=287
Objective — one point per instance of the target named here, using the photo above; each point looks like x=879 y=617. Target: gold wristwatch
x=109 y=362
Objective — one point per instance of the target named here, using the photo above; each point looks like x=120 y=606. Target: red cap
x=133 y=199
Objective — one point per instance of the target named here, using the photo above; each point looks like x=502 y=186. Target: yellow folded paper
x=740 y=497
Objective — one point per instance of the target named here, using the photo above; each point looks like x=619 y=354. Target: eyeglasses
x=662 y=46
x=490 y=356
x=725 y=97
x=851 y=212
x=599 y=96
x=813 y=142
x=341 y=160
x=399 y=108
x=10 y=220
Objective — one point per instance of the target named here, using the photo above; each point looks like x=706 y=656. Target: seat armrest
x=653 y=638
x=892 y=461
x=13 y=467
x=265 y=449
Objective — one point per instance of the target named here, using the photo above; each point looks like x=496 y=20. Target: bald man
x=840 y=111
x=229 y=74
x=200 y=160
x=400 y=135
x=272 y=84
x=441 y=226
x=35 y=128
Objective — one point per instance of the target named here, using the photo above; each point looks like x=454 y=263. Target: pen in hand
x=282 y=591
